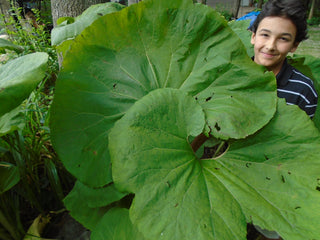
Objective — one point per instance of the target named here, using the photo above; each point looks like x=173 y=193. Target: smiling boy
x=277 y=31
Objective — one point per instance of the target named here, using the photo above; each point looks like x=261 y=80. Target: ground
x=312 y=45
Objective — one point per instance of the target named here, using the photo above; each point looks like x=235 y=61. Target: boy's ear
x=253 y=38
x=295 y=46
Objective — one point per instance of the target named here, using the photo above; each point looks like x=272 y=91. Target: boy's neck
x=277 y=68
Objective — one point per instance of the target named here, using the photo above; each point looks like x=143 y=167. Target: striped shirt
x=297 y=89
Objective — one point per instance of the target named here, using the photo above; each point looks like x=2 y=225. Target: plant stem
x=198 y=141
x=217 y=152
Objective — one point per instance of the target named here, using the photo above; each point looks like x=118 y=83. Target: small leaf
x=88 y=205
x=9 y=176
x=35 y=230
x=5 y=44
x=12 y=121
x=75 y=26
x=19 y=77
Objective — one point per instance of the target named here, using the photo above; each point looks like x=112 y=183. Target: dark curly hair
x=290 y=9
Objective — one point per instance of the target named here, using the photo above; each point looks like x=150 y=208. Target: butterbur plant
x=174 y=133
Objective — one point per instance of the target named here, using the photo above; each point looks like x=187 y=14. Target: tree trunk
x=236 y=8
x=313 y=3
x=133 y=2
x=4 y=9
x=70 y=8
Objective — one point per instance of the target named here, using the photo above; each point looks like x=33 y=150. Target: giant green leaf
x=310 y=66
x=116 y=225
x=151 y=157
x=271 y=178
x=241 y=29
x=154 y=44
x=87 y=205
x=19 y=77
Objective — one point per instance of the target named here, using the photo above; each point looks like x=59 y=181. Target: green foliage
x=43 y=181
x=135 y=110
x=226 y=13
x=33 y=183
x=19 y=78
x=310 y=66
x=36 y=182
x=241 y=29
x=314 y=21
x=120 y=67
x=68 y=28
x=9 y=176
x=30 y=37
x=5 y=44
x=132 y=108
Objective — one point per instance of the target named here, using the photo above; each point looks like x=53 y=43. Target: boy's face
x=273 y=40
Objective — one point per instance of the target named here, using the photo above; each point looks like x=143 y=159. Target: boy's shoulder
x=303 y=81
x=297 y=75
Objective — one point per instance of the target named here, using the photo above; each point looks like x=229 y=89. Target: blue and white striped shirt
x=297 y=89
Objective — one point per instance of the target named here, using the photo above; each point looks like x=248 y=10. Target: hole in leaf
x=206 y=147
x=216 y=126
x=207 y=99
x=214 y=151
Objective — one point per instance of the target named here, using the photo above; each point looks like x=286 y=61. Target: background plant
x=40 y=180
x=31 y=37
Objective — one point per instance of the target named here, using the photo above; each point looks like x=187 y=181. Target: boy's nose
x=271 y=44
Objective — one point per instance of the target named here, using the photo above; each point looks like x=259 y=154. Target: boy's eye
x=284 y=39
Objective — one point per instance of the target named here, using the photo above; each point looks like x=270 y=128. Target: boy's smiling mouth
x=268 y=55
